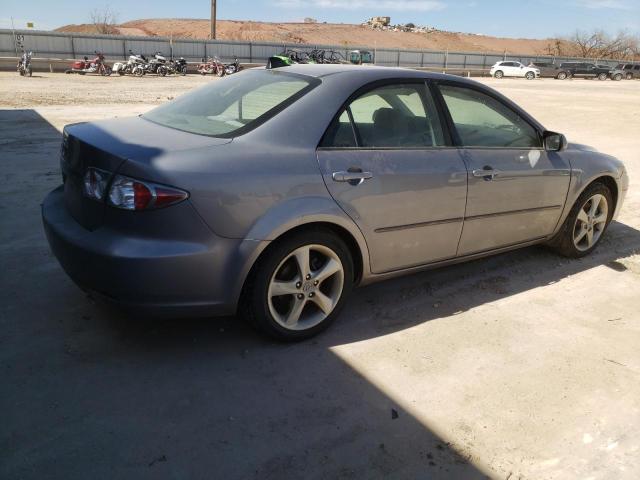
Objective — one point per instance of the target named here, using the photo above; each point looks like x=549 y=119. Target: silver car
x=272 y=193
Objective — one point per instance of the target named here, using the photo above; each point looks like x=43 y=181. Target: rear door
x=387 y=162
x=516 y=190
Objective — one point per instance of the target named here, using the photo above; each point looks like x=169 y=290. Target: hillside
x=324 y=33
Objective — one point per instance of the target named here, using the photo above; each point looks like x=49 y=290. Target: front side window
x=391 y=116
x=233 y=105
x=482 y=121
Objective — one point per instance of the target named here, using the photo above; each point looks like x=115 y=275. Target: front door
x=516 y=188
x=385 y=163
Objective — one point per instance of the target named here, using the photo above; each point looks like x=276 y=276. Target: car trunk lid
x=108 y=145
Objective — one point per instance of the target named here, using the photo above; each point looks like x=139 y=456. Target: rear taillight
x=95 y=182
x=131 y=194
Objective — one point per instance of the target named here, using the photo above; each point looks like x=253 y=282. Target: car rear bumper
x=158 y=277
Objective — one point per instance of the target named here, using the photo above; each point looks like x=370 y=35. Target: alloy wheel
x=590 y=222
x=305 y=287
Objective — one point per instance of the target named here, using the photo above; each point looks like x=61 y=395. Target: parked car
x=614 y=72
x=629 y=70
x=513 y=69
x=586 y=70
x=272 y=193
x=549 y=70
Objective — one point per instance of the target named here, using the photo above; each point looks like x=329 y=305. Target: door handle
x=487 y=173
x=353 y=177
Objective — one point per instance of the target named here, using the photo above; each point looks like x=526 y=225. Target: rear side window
x=233 y=105
x=391 y=116
x=482 y=121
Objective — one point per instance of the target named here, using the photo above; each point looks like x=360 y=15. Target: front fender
x=588 y=165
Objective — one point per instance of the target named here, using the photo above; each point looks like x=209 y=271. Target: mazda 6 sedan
x=272 y=193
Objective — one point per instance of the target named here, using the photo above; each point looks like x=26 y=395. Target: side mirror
x=554 y=142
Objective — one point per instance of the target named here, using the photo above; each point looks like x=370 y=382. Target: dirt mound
x=324 y=34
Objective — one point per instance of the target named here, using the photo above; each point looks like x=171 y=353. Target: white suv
x=513 y=69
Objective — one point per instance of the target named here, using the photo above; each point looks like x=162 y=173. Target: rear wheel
x=299 y=286
x=586 y=222
x=602 y=76
x=498 y=74
x=629 y=76
x=162 y=71
x=220 y=72
x=562 y=76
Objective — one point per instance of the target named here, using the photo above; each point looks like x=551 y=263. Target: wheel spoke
x=580 y=236
x=302 y=259
x=279 y=287
x=589 y=237
x=323 y=302
x=328 y=269
x=600 y=218
x=296 y=310
x=582 y=216
x=595 y=202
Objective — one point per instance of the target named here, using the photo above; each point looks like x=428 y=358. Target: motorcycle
x=85 y=66
x=157 y=65
x=232 y=68
x=134 y=66
x=178 y=66
x=24 y=64
x=211 y=66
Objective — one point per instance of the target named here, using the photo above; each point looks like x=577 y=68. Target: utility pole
x=213 y=19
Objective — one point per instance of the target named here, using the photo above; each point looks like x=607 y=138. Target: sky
x=508 y=18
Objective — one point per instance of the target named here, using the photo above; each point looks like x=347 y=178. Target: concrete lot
x=525 y=365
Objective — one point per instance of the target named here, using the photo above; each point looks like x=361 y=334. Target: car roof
x=363 y=71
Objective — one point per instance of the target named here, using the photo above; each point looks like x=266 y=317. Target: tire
x=530 y=76
x=29 y=71
x=107 y=72
x=617 y=77
x=562 y=76
x=121 y=73
x=498 y=74
x=602 y=76
x=270 y=313
x=220 y=72
x=162 y=71
x=564 y=241
x=138 y=72
x=629 y=76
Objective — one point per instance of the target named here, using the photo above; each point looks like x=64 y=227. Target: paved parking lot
x=525 y=365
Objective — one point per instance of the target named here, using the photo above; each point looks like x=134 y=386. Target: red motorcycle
x=96 y=66
x=211 y=66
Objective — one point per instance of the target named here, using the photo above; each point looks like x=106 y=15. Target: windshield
x=234 y=105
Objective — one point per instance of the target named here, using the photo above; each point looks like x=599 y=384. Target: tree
x=105 y=20
x=599 y=44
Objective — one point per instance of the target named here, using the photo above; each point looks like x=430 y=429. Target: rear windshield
x=234 y=105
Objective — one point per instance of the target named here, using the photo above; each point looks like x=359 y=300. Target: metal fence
x=56 y=45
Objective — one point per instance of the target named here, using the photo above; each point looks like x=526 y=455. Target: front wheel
x=530 y=76
x=162 y=71
x=586 y=223
x=220 y=71
x=498 y=74
x=602 y=76
x=617 y=77
x=299 y=286
x=629 y=76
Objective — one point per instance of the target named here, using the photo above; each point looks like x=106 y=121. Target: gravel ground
x=524 y=365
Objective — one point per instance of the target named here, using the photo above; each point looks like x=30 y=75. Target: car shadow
x=90 y=391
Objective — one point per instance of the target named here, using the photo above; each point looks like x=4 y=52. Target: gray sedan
x=272 y=193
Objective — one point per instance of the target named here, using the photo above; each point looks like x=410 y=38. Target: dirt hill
x=324 y=33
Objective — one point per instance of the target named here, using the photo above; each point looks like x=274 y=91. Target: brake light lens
x=95 y=183
x=131 y=194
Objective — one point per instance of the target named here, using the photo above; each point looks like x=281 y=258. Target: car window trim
x=454 y=132
x=425 y=82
